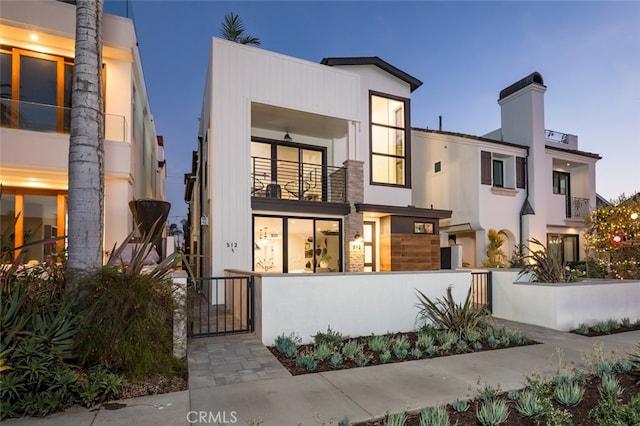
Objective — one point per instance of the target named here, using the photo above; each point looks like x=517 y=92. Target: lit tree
x=613 y=236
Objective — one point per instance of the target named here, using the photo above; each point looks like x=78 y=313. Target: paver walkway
x=233 y=358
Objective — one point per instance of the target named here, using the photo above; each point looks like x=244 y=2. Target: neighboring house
x=36 y=64
x=522 y=180
x=304 y=167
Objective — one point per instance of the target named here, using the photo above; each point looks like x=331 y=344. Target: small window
x=521 y=175
x=423 y=228
x=498 y=173
x=437 y=167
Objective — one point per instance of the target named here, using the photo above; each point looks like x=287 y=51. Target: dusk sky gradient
x=464 y=53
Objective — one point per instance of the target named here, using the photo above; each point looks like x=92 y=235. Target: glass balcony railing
x=51 y=118
x=290 y=180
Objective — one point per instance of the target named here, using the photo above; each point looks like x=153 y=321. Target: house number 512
x=232 y=247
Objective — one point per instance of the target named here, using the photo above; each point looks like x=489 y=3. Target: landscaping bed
x=330 y=351
x=602 y=412
x=603 y=328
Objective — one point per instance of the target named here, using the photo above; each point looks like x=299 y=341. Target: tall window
x=389 y=141
x=560 y=183
x=498 y=173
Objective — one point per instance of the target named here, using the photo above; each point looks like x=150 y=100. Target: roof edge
x=413 y=82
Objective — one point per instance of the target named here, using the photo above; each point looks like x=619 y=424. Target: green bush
x=492 y=413
x=330 y=337
x=546 y=265
x=38 y=329
x=446 y=314
x=610 y=412
x=127 y=322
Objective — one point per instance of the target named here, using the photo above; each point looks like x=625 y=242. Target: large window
x=31 y=216
x=296 y=244
x=35 y=91
x=565 y=246
x=389 y=141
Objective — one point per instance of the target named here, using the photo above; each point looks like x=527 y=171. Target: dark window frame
x=497 y=165
x=407 y=140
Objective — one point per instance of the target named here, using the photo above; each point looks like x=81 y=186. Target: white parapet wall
x=564 y=306
x=354 y=304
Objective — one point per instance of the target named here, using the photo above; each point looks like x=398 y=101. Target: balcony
x=563 y=140
x=53 y=119
x=289 y=180
x=577 y=208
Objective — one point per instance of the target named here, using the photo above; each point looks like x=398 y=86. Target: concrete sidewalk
x=368 y=393
x=234 y=380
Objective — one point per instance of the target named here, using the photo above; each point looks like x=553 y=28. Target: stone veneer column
x=353 y=222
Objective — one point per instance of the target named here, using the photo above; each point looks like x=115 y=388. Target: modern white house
x=522 y=180
x=36 y=65
x=305 y=167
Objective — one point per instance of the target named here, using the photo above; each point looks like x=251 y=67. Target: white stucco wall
x=353 y=304
x=564 y=306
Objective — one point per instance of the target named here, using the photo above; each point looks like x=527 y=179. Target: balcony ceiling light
x=33 y=37
x=287 y=138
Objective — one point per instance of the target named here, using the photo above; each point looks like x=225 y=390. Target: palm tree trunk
x=86 y=146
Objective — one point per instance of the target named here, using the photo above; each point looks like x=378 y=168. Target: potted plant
x=324 y=260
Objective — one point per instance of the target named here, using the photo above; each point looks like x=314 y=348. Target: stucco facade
x=37 y=39
x=522 y=179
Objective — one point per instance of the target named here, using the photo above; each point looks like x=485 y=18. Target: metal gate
x=221 y=305
x=481 y=289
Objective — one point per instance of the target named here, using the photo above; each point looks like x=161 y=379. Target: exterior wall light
x=357 y=236
x=287 y=138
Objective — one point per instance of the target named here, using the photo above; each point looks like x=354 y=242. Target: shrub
x=401 y=347
x=625 y=322
x=127 y=322
x=492 y=413
x=336 y=360
x=416 y=353
x=385 y=357
x=307 y=361
x=446 y=314
x=472 y=335
x=330 y=337
x=513 y=395
x=529 y=404
x=568 y=394
x=634 y=360
x=378 y=343
x=351 y=349
x=437 y=416
x=397 y=419
x=610 y=388
x=460 y=406
x=583 y=329
x=323 y=351
x=609 y=412
x=477 y=346
x=602 y=327
x=288 y=345
x=545 y=266
x=488 y=392
x=495 y=256
x=361 y=359
x=425 y=340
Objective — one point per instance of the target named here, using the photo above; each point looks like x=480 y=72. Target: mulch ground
x=579 y=413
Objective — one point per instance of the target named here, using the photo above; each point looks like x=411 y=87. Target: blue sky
x=463 y=52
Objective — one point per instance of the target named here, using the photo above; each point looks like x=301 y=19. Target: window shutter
x=485 y=167
x=520 y=172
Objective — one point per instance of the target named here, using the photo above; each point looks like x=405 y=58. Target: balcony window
x=560 y=183
x=389 y=141
x=35 y=90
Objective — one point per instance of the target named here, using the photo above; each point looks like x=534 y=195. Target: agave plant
x=446 y=314
x=545 y=266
